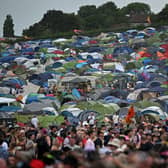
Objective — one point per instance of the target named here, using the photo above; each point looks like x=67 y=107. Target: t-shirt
x=3 y=153
x=89 y=145
x=91 y=120
x=34 y=122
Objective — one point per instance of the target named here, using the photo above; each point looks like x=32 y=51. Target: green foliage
x=136 y=8
x=108 y=9
x=163 y=15
x=8 y=26
x=86 y=11
x=52 y=23
x=93 y=20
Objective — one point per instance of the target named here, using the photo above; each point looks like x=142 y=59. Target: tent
x=135 y=95
x=84 y=115
x=10 y=109
x=101 y=93
x=4 y=100
x=66 y=114
x=36 y=107
x=78 y=80
x=155 y=112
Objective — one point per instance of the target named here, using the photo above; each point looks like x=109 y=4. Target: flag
x=149 y=20
x=19 y=99
x=77 y=31
x=130 y=115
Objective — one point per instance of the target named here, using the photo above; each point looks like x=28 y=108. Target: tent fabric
x=84 y=115
x=76 y=93
x=154 y=111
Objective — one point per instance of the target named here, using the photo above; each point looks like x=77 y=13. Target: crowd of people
x=88 y=145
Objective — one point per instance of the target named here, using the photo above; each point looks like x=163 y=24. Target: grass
x=44 y=121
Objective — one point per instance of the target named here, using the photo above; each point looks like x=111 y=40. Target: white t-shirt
x=91 y=119
x=35 y=121
x=5 y=145
x=89 y=146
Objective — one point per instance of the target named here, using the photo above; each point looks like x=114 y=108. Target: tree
x=52 y=23
x=86 y=11
x=8 y=26
x=136 y=12
x=163 y=15
x=108 y=8
x=137 y=8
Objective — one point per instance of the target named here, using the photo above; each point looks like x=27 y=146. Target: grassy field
x=45 y=121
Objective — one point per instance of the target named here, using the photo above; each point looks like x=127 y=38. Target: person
x=43 y=143
x=35 y=121
x=30 y=145
x=3 y=152
x=90 y=145
x=99 y=142
x=11 y=162
x=91 y=119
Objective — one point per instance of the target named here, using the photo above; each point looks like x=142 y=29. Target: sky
x=28 y=12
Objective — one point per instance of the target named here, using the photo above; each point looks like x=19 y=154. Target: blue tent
x=5 y=54
x=80 y=65
x=31 y=99
x=95 y=49
x=70 y=58
x=122 y=50
x=76 y=93
x=66 y=114
x=24 y=50
x=9 y=109
x=57 y=65
x=40 y=79
x=7 y=59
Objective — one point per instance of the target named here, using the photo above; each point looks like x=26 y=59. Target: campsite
x=103 y=73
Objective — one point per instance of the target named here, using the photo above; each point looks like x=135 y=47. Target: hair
x=1 y=140
x=89 y=132
x=71 y=160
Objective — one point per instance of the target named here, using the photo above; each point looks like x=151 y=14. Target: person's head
x=31 y=136
x=100 y=134
x=53 y=128
x=91 y=134
x=3 y=163
x=70 y=161
x=44 y=132
x=11 y=161
x=114 y=144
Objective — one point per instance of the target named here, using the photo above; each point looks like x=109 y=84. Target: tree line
x=90 y=18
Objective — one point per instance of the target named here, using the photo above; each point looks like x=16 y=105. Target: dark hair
x=90 y=132
x=29 y=135
x=71 y=160
x=1 y=140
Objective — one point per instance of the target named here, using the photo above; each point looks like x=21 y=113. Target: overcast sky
x=27 y=12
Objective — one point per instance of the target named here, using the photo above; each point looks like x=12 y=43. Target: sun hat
x=114 y=142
